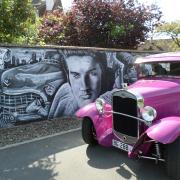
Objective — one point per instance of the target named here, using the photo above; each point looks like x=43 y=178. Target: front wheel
x=88 y=132
x=173 y=160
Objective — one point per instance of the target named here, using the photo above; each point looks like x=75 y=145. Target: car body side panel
x=166 y=130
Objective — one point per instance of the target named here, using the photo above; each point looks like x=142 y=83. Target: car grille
x=14 y=104
x=126 y=103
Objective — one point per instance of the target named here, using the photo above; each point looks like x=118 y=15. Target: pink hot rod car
x=143 y=118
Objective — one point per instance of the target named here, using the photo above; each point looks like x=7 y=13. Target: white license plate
x=121 y=145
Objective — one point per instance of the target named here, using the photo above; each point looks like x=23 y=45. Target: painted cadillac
x=26 y=92
x=142 y=119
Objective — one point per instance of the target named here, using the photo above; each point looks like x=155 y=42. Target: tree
x=133 y=21
x=57 y=28
x=171 y=29
x=103 y=23
x=17 y=21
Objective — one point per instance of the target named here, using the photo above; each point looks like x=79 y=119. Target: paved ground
x=66 y=157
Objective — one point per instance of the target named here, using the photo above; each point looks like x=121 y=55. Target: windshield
x=159 y=69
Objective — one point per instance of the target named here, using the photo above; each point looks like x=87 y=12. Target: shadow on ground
x=127 y=168
x=19 y=163
x=53 y=159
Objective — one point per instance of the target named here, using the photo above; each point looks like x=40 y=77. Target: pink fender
x=102 y=123
x=165 y=130
x=90 y=111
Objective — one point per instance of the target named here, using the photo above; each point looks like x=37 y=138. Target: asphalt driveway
x=66 y=157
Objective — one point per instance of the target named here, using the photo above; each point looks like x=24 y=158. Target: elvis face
x=85 y=76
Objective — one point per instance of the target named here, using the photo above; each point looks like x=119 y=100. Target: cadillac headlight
x=100 y=105
x=148 y=113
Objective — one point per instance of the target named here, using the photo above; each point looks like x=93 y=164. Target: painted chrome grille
x=10 y=104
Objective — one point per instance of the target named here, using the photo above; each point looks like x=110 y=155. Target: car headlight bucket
x=139 y=97
x=140 y=102
x=100 y=105
x=148 y=113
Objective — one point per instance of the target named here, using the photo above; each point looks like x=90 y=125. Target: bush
x=17 y=22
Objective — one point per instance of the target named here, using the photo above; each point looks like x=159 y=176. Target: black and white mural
x=38 y=84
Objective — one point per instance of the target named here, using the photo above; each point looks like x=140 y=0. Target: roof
x=163 y=57
x=166 y=45
x=41 y=5
x=36 y=1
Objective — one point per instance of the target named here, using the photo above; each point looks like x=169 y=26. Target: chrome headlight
x=148 y=113
x=100 y=105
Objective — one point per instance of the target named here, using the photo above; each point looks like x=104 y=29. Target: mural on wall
x=38 y=84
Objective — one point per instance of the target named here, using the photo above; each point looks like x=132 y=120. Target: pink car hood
x=162 y=94
x=155 y=87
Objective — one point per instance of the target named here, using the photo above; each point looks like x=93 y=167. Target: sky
x=169 y=8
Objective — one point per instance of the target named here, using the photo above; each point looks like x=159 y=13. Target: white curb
x=38 y=139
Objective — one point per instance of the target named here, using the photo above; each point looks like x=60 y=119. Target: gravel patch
x=33 y=130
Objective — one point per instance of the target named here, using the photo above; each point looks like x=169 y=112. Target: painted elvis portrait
x=38 y=84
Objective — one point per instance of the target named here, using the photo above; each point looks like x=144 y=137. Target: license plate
x=121 y=145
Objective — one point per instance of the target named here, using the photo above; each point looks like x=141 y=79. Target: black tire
x=88 y=132
x=173 y=160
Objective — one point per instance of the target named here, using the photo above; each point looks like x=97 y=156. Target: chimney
x=49 y=5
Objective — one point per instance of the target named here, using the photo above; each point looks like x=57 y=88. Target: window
x=159 y=69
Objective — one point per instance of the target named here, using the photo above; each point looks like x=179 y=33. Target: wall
x=44 y=83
